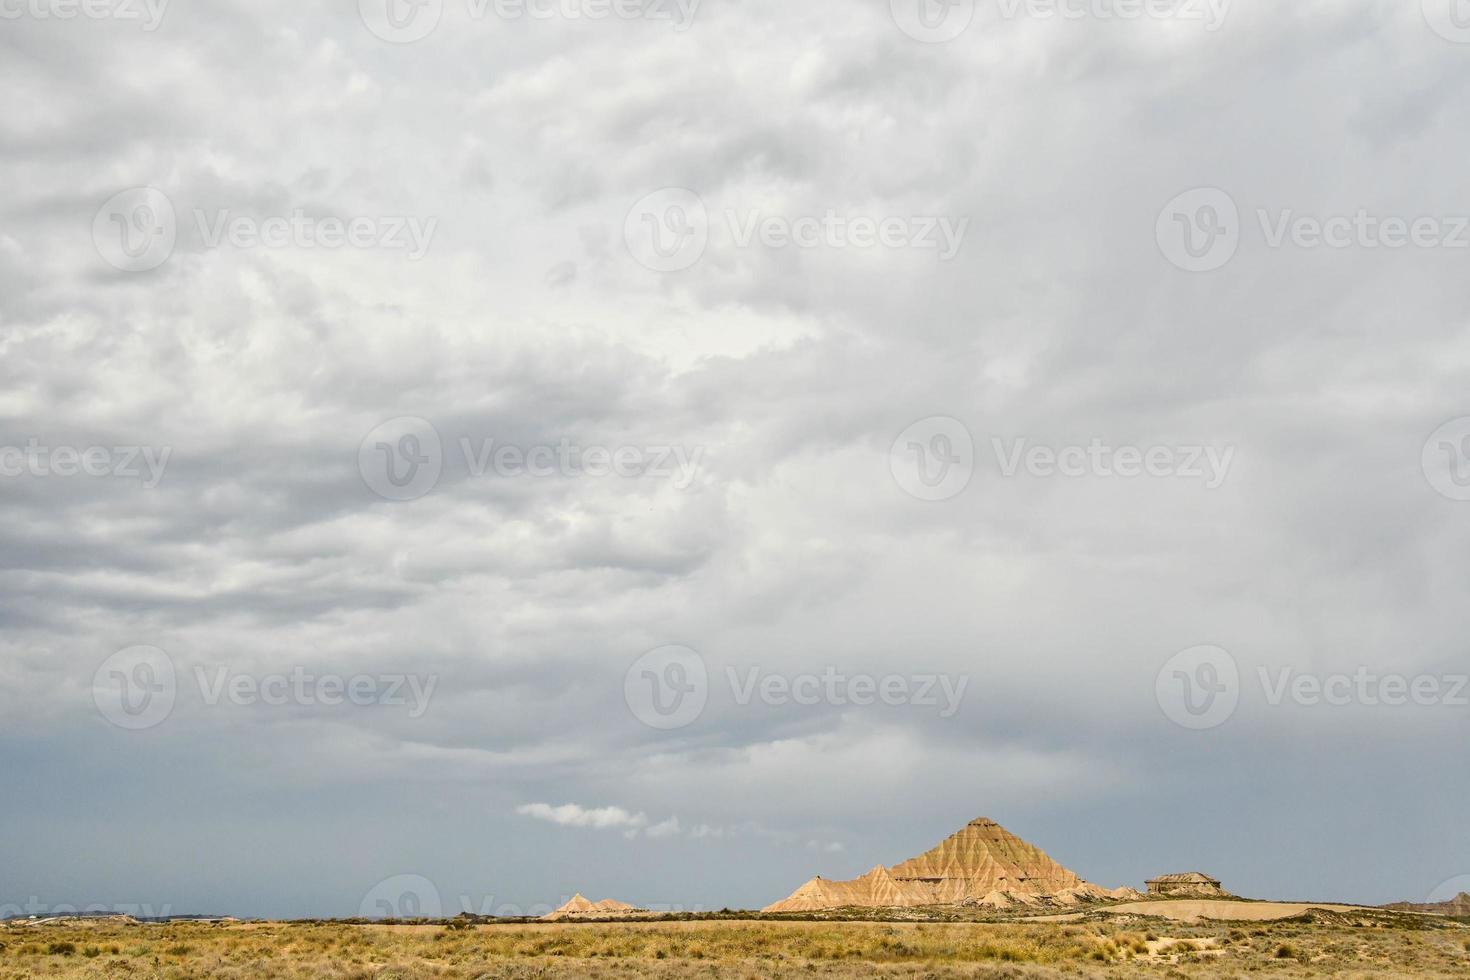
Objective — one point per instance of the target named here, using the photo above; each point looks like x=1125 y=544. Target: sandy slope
x=1195 y=910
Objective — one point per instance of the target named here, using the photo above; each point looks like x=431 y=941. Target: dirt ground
x=1361 y=944
x=1198 y=910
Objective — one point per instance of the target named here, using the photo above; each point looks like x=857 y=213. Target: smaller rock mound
x=578 y=907
x=1457 y=906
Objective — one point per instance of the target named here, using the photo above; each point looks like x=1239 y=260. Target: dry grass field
x=1321 y=944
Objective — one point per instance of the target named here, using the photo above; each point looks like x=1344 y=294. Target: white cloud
x=668 y=828
x=572 y=815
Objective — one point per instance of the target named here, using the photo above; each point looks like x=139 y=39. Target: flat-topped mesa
x=982 y=864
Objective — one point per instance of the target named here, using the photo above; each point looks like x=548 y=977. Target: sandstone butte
x=984 y=864
x=580 y=908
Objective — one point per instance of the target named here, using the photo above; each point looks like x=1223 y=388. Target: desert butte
x=983 y=864
x=985 y=868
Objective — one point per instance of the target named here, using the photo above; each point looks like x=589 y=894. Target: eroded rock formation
x=984 y=864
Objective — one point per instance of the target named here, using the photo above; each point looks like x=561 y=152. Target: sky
x=455 y=455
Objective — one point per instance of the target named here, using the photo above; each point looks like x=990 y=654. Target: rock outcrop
x=982 y=865
x=580 y=908
x=1457 y=906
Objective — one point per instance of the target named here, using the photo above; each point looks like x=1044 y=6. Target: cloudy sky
x=462 y=454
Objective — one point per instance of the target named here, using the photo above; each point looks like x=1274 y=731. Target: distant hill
x=983 y=864
x=1457 y=906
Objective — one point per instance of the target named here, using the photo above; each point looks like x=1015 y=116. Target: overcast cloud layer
x=875 y=611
